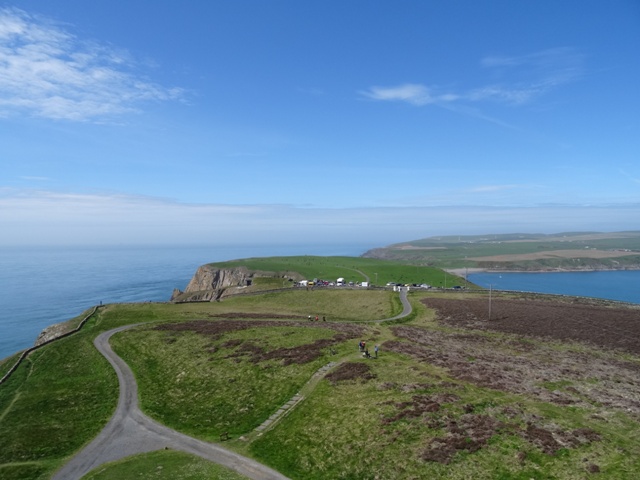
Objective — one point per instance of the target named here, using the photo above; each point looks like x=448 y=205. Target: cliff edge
x=211 y=283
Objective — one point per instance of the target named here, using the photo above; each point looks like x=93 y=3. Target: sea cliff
x=210 y=283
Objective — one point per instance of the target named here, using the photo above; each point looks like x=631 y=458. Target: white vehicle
x=365 y=284
x=340 y=282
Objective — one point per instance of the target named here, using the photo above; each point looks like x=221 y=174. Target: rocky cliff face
x=54 y=331
x=211 y=283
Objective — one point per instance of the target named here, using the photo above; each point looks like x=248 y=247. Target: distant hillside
x=521 y=251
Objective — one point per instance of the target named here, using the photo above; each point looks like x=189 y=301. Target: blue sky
x=360 y=122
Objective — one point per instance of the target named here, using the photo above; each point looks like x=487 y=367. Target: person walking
x=375 y=349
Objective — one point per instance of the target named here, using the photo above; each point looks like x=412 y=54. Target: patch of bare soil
x=585 y=376
x=605 y=326
x=216 y=329
x=419 y=405
x=300 y=354
x=350 y=371
x=471 y=431
x=256 y=353
x=232 y=315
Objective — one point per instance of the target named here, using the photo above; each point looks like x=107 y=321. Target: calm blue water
x=43 y=286
x=614 y=285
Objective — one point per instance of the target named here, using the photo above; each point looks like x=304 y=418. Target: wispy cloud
x=519 y=80
x=630 y=177
x=492 y=188
x=32 y=178
x=45 y=217
x=47 y=71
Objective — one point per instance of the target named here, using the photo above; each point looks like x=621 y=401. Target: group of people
x=324 y=319
x=362 y=345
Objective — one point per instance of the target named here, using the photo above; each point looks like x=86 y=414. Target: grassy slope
x=44 y=415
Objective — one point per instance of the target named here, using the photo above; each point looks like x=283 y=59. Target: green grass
x=163 y=465
x=339 y=433
x=199 y=386
x=334 y=304
x=44 y=415
x=62 y=396
x=7 y=363
x=352 y=269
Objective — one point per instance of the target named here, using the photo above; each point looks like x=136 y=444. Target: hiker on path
x=375 y=349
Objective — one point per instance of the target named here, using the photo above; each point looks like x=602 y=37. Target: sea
x=620 y=285
x=41 y=286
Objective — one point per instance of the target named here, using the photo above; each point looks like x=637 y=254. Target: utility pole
x=490 y=286
x=466 y=266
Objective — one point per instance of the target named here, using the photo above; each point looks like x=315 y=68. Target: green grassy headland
x=352 y=269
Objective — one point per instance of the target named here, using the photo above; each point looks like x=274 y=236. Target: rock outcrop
x=211 y=283
x=54 y=331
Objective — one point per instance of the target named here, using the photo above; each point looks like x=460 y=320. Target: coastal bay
x=620 y=285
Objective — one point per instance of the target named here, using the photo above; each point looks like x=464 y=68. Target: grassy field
x=352 y=269
x=162 y=465
x=423 y=409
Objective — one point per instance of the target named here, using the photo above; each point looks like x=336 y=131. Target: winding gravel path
x=130 y=432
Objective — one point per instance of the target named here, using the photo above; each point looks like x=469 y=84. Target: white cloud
x=524 y=79
x=409 y=92
x=492 y=188
x=47 y=71
x=551 y=67
x=630 y=177
x=32 y=178
x=54 y=218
